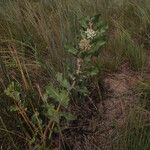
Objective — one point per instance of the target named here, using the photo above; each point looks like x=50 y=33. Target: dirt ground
x=97 y=123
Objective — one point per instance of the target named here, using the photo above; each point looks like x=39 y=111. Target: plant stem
x=78 y=63
x=8 y=133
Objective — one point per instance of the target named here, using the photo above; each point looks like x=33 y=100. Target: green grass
x=32 y=39
x=136 y=134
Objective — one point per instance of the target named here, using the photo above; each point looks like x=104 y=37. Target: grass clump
x=136 y=134
x=53 y=56
x=46 y=117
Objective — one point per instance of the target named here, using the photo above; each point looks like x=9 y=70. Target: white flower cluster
x=90 y=33
x=84 y=44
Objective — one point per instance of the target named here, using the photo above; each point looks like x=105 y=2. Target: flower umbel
x=84 y=44
x=90 y=33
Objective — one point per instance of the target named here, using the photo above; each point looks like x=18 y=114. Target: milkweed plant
x=55 y=100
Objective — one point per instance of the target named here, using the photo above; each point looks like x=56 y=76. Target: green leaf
x=52 y=113
x=32 y=141
x=63 y=82
x=52 y=92
x=93 y=71
x=99 y=37
x=35 y=118
x=45 y=97
x=95 y=18
x=64 y=98
x=82 y=90
x=68 y=116
x=84 y=54
x=96 y=48
x=14 y=108
x=61 y=96
x=71 y=50
x=84 y=22
x=103 y=29
x=101 y=24
x=13 y=91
